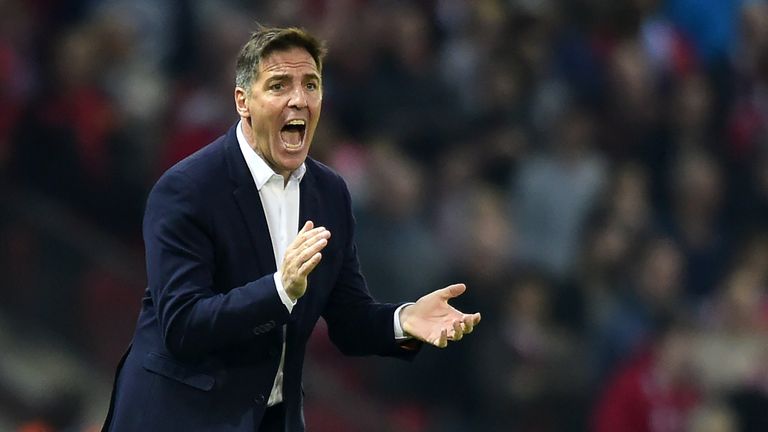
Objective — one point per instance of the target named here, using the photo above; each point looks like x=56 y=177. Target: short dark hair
x=266 y=40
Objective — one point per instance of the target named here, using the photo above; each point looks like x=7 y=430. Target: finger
x=442 y=341
x=321 y=233
x=468 y=323
x=303 y=239
x=294 y=263
x=311 y=250
x=311 y=237
x=452 y=291
x=458 y=332
x=310 y=265
x=308 y=225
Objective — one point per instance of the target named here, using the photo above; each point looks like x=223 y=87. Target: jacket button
x=260 y=399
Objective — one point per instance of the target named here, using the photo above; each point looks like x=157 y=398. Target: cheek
x=315 y=108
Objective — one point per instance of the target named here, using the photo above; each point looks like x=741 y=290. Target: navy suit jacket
x=210 y=332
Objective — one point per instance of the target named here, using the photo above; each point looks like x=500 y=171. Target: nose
x=298 y=98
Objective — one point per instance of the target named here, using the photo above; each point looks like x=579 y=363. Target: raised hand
x=301 y=257
x=431 y=319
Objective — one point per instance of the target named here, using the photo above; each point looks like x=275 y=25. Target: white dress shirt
x=281 y=209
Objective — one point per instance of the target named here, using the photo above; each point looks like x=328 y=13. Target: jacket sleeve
x=195 y=318
x=357 y=324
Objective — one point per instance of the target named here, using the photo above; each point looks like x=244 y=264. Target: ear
x=241 y=102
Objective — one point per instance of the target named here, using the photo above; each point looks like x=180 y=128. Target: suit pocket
x=168 y=368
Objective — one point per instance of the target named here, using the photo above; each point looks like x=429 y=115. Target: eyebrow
x=280 y=77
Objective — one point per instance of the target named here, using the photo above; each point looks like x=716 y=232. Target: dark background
x=595 y=171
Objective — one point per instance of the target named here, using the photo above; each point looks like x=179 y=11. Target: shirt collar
x=260 y=171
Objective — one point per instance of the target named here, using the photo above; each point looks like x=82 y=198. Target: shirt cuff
x=287 y=301
x=399 y=333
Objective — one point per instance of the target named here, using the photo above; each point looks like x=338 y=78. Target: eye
x=312 y=86
x=276 y=86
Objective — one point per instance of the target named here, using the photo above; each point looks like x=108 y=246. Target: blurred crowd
x=595 y=171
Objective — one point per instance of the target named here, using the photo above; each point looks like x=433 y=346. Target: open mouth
x=292 y=133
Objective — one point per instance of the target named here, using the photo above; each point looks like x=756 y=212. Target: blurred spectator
x=423 y=109
x=201 y=107
x=531 y=366
x=649 y=295
x=633 y=100
x=696 y=221
x=654 y=390
x=618 y=226
x=733 y=352
x=554 y=193
x=393 y=219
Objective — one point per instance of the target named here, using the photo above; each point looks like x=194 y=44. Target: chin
x=294 y=162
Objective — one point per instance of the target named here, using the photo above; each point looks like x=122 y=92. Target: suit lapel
x=247 y=197
x=250 y=206
x=308 y=210
x=308 y=198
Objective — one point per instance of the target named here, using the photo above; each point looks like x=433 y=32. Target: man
x=234 y=292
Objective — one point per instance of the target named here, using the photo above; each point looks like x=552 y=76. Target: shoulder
x=329 y=183
x=325 y=176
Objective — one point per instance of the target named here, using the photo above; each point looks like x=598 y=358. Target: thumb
x=452 y=291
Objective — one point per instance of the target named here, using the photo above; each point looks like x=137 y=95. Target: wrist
x=286 y=286
x=405 y=314
x=283 y=294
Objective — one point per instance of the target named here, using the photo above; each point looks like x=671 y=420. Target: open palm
x=431 y=319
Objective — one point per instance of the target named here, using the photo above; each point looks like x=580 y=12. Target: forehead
x=294 y=60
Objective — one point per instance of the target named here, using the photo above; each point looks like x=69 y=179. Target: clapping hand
x=431 y=319
x=302 y=256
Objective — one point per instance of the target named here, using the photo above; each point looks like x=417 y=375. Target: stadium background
x=596 y=171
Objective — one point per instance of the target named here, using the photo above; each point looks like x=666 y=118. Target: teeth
x=296 y=122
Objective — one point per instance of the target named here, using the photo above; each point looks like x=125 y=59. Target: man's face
x=281 y=109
